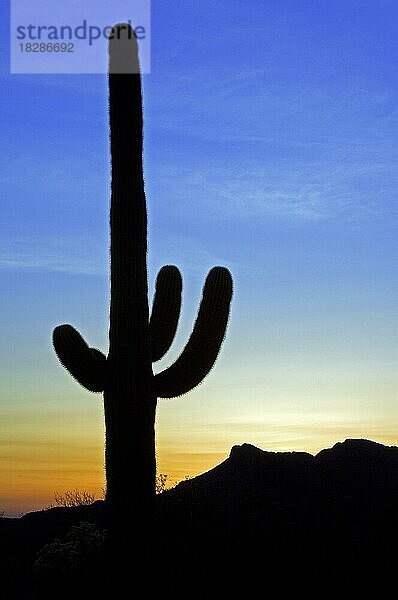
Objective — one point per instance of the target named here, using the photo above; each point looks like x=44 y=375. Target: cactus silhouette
x=136 y=340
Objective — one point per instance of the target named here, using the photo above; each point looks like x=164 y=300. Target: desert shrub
x=77 y=558
x=72 y=498
x=161 y=482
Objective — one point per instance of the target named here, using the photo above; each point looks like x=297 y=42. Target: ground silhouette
x=257 y=522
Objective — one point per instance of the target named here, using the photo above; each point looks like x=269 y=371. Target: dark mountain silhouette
x=258 y=522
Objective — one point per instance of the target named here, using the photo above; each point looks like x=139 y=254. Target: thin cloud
x=314 y=191
x=62 y=257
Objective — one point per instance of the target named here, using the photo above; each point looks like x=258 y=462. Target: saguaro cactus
x=136 y=340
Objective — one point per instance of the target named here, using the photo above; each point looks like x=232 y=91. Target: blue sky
x=271 y=148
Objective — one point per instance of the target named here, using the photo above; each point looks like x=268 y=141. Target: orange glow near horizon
x=28 y=481
x=33 y=466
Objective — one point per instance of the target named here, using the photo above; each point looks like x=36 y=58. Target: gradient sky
x=271 y=148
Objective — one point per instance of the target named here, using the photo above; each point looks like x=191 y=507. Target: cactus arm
x=165 y=311
x=203 y=347
x=87 y=365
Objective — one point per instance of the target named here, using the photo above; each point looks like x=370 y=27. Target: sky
x=270 y=147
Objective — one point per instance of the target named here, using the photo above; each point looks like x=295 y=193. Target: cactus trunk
x=130 y=401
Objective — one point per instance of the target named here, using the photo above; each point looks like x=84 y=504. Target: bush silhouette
x=75 y=561
x=72 y=498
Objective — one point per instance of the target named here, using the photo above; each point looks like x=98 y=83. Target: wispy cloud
x=291 y=149
x=260 y=105
x=309 y=191
x=291 y=433
x=63 y=256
